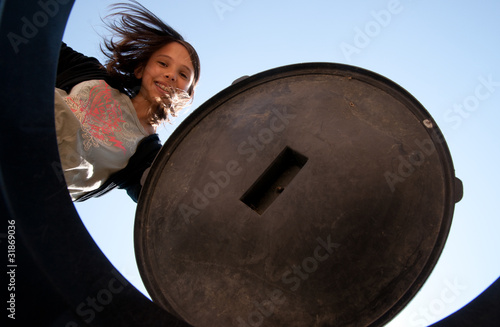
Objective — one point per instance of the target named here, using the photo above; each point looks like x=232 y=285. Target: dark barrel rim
x=56 y=259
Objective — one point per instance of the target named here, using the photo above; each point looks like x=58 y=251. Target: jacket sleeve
x=74 y=68
x=143 y=159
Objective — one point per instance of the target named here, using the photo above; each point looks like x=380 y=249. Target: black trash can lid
x=308 y=195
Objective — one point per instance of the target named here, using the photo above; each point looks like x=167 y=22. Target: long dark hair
x=139 y=34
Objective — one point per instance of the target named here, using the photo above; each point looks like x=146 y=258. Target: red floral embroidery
x=100 y=115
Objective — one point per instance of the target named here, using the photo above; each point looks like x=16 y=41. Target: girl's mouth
x=164 y=88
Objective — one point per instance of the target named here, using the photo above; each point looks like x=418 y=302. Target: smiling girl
x=106 y=116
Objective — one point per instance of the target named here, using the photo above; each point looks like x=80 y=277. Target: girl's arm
x=130 y=177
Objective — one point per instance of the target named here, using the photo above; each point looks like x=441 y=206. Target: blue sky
x=444 y=53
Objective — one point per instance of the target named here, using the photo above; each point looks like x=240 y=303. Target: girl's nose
x=170 y=76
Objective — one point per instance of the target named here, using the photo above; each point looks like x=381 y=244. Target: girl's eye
x=162 y=64
x=184 y=75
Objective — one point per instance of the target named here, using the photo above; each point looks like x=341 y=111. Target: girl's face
x=170 y=66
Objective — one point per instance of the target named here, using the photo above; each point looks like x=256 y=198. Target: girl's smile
x=168 y=67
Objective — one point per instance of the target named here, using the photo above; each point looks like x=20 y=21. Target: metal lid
x=308 y=195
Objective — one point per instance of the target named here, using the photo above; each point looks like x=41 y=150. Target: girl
x=107 y=116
